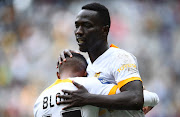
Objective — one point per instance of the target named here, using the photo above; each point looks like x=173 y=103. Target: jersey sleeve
x=36 y=109
x=125 y=68
x=150 y=98
x=96 y=86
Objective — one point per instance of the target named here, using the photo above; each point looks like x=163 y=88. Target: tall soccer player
x=110 y=63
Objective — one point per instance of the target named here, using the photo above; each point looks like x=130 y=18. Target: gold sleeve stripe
x=113 y=90
x=57 y=82
x=123 y=82
x=112 y=45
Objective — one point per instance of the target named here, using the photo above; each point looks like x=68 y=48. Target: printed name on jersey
x=127 y=66
x=47 y=100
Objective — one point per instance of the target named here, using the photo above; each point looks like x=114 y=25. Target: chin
x=82 y=49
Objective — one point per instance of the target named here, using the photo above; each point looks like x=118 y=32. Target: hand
x=147 y=109
x=75 y=98
x=62 y=56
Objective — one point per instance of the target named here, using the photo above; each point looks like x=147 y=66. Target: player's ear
x=105 y=30
x=58 y=75
x=85 y=74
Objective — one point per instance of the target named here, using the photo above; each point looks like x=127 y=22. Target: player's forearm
x=126 y=100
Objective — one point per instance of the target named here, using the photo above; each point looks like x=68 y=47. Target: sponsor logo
x=103 y=81
x=132 y=66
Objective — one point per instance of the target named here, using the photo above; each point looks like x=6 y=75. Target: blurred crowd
x=34 y=32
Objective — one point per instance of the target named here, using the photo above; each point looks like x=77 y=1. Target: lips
x=80 y=41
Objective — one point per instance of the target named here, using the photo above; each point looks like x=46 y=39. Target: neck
x=94 y=54
x=71 y=73
x=66 y=75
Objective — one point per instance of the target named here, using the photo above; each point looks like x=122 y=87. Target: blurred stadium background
x=34 y=32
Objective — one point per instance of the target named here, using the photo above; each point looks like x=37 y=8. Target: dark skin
x=91 y=36
x=92 y=33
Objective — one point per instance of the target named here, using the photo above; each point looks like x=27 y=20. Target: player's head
x=92 y=26
x=102 y=11
x=73 y=67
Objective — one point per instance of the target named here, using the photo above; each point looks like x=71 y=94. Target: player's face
x=88 y=30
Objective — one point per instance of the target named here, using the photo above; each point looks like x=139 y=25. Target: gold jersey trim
x=112 y=45
x=57 y=82
x=113 y=90
x=123 y=82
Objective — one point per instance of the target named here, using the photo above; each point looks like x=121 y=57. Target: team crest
x=97 y=75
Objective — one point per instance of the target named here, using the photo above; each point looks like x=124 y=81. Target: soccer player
x=74 y=69
x=109 y=63
x=47 y=104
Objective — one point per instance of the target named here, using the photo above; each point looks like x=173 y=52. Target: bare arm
x=131 y=98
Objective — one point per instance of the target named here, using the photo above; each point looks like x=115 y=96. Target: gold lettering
x=134 y=65
x=125 y=65
x=122 y=67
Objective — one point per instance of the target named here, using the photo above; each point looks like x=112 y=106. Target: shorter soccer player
x=47 y=104
x=74 y=69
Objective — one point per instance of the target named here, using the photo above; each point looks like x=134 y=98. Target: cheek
x=93 y=34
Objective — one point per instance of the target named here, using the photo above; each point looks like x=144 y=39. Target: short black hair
x=102 y=11
x=77 y=63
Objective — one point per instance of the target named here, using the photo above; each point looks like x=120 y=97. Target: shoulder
x=88 y=82
x=85 y=80
x=122 y=55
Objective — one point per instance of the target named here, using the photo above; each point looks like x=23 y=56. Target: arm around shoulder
x=130 y=98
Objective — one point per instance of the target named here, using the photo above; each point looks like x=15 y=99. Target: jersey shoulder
x=122 y=56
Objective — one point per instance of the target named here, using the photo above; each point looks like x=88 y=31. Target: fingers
x=67 y=92
x=68 y=52
x=75 y=51
x=147 y=109
x=144 y=110
x=65 y=102
x=57 y=64
x=59 y=61
x=76 y=84
x=67 y=107
x=65 y=97
x=62 y=56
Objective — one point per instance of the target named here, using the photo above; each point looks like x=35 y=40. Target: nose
x=79 y=31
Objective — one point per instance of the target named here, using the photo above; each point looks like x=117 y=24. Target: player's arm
x=130 y=99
